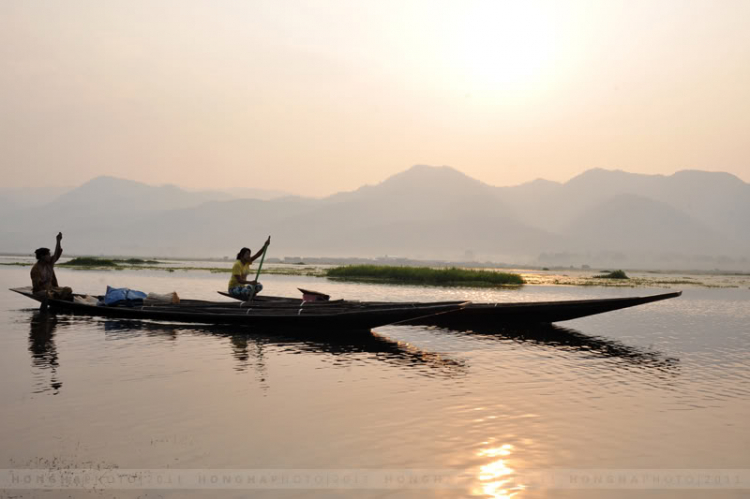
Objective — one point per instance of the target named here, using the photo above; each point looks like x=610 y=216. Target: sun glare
x=496 y=478
x=502 y=47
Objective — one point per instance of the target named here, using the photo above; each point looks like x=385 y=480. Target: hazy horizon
x=690 y=220
x=323 y=97
x=238 y=192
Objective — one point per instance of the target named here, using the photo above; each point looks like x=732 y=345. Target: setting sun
x=501 y=47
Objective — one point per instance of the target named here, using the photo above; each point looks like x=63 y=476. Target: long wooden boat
x=489 y=314
x=483 y=314
x=264 y=318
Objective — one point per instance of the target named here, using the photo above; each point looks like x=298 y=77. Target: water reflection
x=394 y=352
x=246 y=351
x=44 y=351
x=248 y=346
x=573 y=340
x=496 y=478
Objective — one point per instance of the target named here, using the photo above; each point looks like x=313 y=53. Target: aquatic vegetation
x=425 y=275
x=86 y=261
x=615 y=274
x=137 y=261
x=90 y=262
x=307 y=271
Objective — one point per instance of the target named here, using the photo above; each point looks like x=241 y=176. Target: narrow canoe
x=309 y=318
x=491 y=314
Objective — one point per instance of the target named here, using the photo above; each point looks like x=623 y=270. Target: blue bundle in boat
x=124 y=296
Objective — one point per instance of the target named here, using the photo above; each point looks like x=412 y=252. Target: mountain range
x=692 y=219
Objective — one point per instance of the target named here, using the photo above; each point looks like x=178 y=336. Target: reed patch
x=425 y=275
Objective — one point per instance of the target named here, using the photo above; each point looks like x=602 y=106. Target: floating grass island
x=615 y=274
x=87 y=261
x=424 y=275
x=138 y=261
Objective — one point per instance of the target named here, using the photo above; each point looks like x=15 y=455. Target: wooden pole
x=257 y=274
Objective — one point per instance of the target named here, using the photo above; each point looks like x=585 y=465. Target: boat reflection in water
x=43 y=351
x=248 y=346
x=567 y=339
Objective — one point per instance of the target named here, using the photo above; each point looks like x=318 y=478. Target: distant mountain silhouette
x=130 y=195
x=29 y=197
x=601 y=216
x=630 y=223
x=250 y=193
x=109 y=215
x=719 y=201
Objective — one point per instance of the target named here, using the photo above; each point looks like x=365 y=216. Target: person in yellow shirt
x=239 y=286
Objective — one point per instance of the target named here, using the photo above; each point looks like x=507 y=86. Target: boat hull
x=270 y=312
x=498 y=314
x=307 y=318
x=488 y=314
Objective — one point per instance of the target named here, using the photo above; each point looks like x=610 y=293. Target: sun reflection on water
x=497 y=477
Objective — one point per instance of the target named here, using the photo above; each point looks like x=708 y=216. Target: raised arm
x=260 y=251
x=58 y=248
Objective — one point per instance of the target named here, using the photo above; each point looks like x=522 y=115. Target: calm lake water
x=664 y=386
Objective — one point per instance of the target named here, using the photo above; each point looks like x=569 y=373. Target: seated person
x=239 y=286
x=43 y=279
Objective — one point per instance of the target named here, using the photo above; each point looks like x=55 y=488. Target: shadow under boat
x=347 y=346
x=567 y=339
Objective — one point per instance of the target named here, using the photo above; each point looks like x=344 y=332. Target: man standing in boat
x=43 y=279
x=239 y=286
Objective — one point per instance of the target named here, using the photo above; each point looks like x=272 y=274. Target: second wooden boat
x=486 y=314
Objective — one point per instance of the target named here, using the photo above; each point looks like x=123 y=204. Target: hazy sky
x=315 y=97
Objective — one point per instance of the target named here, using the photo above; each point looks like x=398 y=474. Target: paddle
x=260 y=266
